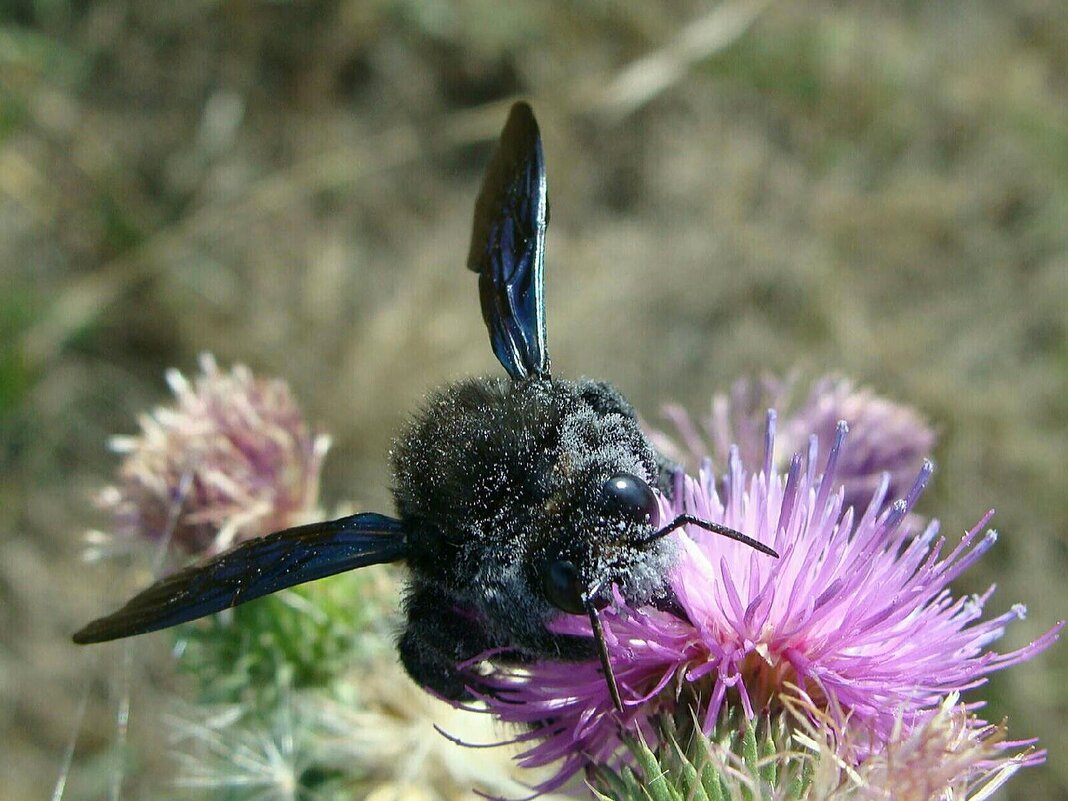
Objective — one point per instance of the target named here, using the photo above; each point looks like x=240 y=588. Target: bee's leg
x=437 y=639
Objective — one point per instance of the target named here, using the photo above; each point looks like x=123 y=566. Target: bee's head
x=618 y=547
x=615 y=548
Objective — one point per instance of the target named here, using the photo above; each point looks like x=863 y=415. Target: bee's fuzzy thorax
x=496 y=478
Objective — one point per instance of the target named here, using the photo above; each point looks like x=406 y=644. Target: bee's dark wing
x=254 y=568
x=508 y=247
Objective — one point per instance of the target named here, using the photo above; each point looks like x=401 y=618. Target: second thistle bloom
x=885 y=437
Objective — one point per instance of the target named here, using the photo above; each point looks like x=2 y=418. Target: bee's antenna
x=613 y=688
x=715 y=528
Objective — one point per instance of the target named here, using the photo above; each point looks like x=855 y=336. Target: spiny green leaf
x=656 y=783
x=689 y=780
x=606 y=783
x=767 y=748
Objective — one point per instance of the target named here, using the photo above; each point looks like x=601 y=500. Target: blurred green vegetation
x=303 y=638
x=877 y=189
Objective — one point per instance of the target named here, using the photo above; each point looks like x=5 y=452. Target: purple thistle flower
x=856 y=612
x=231 y=460
x=885 y=437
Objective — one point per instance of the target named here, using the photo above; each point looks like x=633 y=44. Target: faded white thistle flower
x=950 y=756
x=232 y=459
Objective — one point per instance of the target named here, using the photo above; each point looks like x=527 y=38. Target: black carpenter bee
x=517 y=499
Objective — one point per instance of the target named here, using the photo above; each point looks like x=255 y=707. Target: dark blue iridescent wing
x=508 y=247
x=255 y=568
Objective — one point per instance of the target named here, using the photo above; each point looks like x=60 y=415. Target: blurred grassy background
x=877 y=189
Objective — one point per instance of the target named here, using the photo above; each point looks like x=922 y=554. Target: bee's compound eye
x=627 y=496
x=563 y=587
